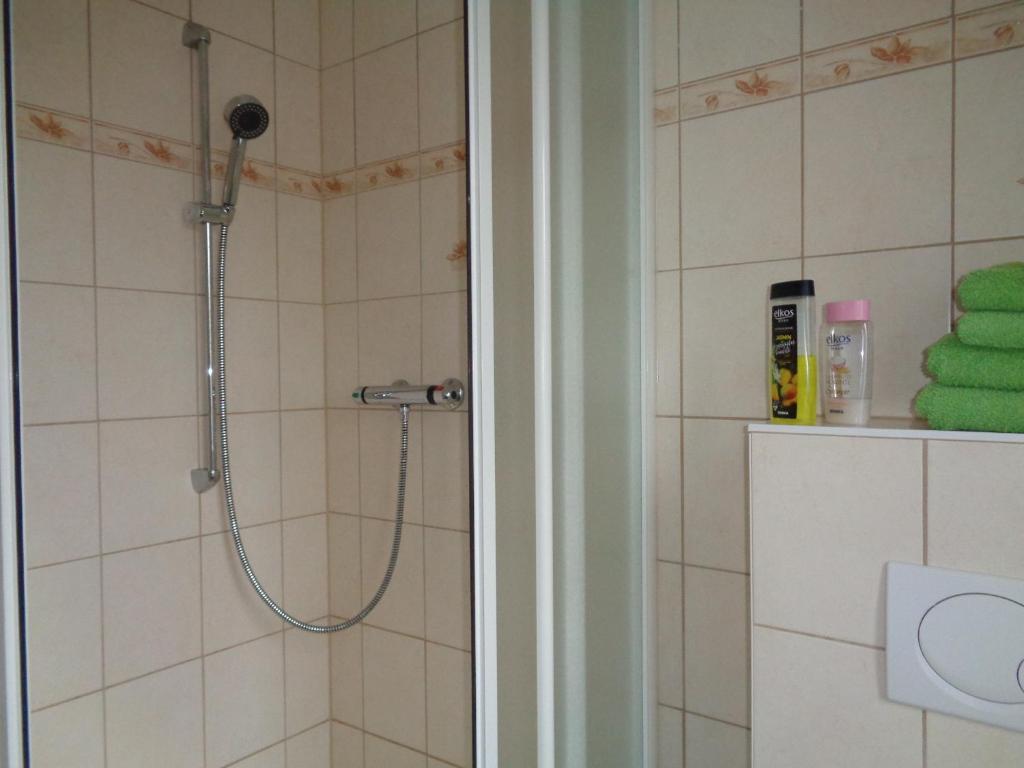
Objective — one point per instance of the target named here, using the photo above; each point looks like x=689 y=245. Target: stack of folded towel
x=979 y=370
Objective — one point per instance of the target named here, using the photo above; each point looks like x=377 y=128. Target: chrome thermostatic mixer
x=448 y=394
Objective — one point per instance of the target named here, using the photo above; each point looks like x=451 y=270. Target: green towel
x=1000 y=288
x=992 y=329
x=956 y=364
x=980 y=410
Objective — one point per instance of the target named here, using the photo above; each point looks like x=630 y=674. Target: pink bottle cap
x=856 y=311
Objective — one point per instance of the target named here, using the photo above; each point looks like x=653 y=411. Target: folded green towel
x=956 y=364
x=992 y=329
x=980 y=410
x=1000 y=288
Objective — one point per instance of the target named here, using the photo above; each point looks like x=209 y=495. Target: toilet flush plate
x=955 y=643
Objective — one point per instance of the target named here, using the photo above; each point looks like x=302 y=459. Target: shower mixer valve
x=448 y=394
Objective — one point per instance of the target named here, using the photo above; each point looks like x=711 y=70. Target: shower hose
x=229 y=495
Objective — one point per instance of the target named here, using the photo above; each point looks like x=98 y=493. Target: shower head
x=246 y=116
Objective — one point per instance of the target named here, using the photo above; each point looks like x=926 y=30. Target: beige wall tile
x=297 y=30
x=146 y=492
x=733 y=384
x=340 y=250
x=305 y=567
x=252 y=255
x=249 y=20
x=962 y=6
x=299 y=252
x=63 y=664
x=346 y=746
x=142 y=239
x=151 y=609
x=232 y=611
x=147 y=354
x=274 y=757
x=56 y=248
x=379 y=22
x=384 y=754
x=670 y=634
x=388 y=242
x=345 y=564
x=988 y=192
x=394 y=688
x=58 y=353
x=667 y=331
x=446 y=470
x=244 y=699
x=443 y=229
x=877 y=177
x=449 y=704
x=342 y=330
x=337 y=105
x=447 y=587
x=238 y=67
x=716 y=37
x=827 y=22
x=307 y=692
x=140 y=69
x=402 y=608
x=302 y=355
x=668 y=502
x=157 y=719
x=905 y=322
x=670 y=737
x=430 y=13
x=389 y=340
x=379 y=442
x=176 y=7
x=61 y=495
x=717 y=644
x=442 y=103
x=298 y=122
x=255 y=440
x=335 y=31
x=311 y=749
x=253 y=362
x=69 y=734
x=805 y=538
x=952 y=742
x=711 y=744
x=303 y=462
x=741 y=185
x=665 y=31
x=818 y=702
x=666 y=197
x=972 y=256
x=386 y=99
x=347 y=676
x=960 y=476
x=51 y=54
x=715 y=517
x=343 y=461
x=445 y=337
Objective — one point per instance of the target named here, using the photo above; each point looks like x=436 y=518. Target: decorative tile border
x=995 y=28
x=54 y=127
x=990 y=29
x=740 y=89
x=904 y=50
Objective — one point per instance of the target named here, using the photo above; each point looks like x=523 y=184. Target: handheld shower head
x=248 y=119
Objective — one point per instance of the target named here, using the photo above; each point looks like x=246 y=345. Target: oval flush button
x=975 y=642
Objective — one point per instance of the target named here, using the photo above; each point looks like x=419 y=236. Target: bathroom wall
x=869 y=146
x=395 y=254
x=819 y=658
x=146 y=645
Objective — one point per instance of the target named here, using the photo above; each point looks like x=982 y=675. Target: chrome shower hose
x=229 y=496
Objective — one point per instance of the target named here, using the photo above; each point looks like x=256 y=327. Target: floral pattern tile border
x=77 y=132
x=740 y=89
x=990 y=29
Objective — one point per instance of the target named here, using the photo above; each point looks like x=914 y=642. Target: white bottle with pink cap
x=847 y=369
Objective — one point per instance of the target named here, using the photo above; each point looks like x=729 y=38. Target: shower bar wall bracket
x=209 y=213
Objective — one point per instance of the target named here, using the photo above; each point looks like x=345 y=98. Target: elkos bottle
x=792 y=345
x=846 y=355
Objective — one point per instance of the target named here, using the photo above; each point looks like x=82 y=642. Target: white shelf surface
x=900 y=429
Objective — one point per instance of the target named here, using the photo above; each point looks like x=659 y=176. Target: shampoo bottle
x=846 y=351
x=792 y=345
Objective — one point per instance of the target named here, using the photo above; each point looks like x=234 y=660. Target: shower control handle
x=448 y=394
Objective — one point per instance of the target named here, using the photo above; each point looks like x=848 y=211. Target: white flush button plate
x=955 y=643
